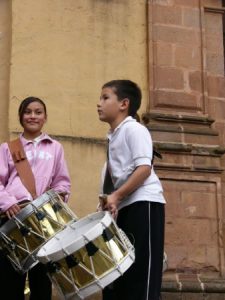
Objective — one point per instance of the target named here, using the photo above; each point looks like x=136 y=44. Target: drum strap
x=22 y=166
x=108 y=186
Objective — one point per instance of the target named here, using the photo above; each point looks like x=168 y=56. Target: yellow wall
x=5 y=48
x=63 y=52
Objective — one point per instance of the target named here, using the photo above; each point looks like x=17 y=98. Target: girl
x=46 y=158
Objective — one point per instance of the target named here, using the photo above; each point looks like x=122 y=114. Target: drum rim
x=105 y=279
x=28 y=210
x=74 y=246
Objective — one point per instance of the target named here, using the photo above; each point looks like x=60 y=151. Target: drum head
x=74 y=236
x=28 y=210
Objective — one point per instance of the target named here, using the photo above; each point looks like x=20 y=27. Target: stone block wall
x=186 y=118
x=177 y=57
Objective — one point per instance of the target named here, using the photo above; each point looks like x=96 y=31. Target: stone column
x=186 y=113
x=5 y=50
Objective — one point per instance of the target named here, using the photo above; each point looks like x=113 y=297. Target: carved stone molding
x=160 y=116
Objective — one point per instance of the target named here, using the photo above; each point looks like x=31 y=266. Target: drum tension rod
x=7 y=242
x=10 y=245
x=40 y=215
x=23 y=228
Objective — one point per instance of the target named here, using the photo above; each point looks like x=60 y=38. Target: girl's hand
x=12 y=211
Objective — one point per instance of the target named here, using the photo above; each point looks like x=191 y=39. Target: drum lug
x=25 y=231
x=53 y=267
x=91 y=249
x=40 y=215
x=107 y=234
x=71 y=261
x=56 y=207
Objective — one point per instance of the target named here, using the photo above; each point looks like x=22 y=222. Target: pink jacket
x=46 y=158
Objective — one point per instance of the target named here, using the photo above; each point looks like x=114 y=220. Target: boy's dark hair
x=127 y=89
x=25 y=103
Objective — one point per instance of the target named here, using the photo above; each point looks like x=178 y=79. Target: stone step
x=193 y=296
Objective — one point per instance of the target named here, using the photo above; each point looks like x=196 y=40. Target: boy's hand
x=102 y=202
x=110 y=203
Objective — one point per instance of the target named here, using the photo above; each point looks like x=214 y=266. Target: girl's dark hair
x=25 y=103
x=127 y=89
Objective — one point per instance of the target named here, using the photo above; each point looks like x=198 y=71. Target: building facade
x=186 y=118
x=64 y=51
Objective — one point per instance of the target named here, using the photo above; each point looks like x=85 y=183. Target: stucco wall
x=63 y=52
x=5 y=47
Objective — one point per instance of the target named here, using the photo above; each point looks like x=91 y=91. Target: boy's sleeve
x=140 y=144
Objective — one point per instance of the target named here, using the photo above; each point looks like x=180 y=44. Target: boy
x=135 y=195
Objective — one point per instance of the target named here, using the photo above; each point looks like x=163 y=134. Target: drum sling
x=22 y=166
x=108 y=186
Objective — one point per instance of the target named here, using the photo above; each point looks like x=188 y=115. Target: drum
x=36 y=223
x=87 y=256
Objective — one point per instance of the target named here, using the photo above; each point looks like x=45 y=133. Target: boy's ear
x=125 y=104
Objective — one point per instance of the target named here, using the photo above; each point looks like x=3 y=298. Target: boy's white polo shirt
x=130 y=146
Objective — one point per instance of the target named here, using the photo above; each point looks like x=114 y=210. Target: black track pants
x=143 y=222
